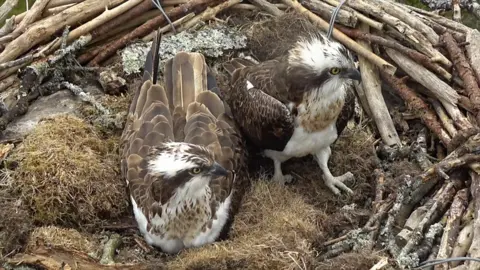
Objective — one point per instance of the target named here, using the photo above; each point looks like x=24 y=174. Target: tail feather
x=151 y=63
x=237 y=63
x=188 y=75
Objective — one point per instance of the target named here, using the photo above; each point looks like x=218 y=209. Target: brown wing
x=183 y=111
x=149 y=124
x=260 y=111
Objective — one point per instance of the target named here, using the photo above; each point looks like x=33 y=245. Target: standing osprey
x=289 y=105
x=180 y=155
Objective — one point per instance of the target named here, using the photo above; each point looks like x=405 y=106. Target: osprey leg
x=278 y=176
x=332 y=182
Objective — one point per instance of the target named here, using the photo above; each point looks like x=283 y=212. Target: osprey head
x=317 y=62
x=178 y=163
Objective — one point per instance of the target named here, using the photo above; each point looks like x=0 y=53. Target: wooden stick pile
x=431 y=62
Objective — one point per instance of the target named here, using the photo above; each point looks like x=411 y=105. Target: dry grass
x=66 y=238
x=275 y=229
x=68 y=174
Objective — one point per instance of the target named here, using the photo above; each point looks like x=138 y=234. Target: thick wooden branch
x=465 y=71
x=452 y=228
x=427 y=115
x=342 y=38
x=31 y=16
x=415 y=38
x=373 y=91
x=474 y=250
x=325 y=11
x=413 y=54
x=367 y=20
x=43 y=30
x=174 y=14
x=7 y=6
x=441 y=90
x=473 y=51
x=269 y=7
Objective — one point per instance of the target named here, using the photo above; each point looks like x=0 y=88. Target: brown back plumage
x=262 y=113
x=182 y=111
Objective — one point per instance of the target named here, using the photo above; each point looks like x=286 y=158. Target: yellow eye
x=196 y=170
x=334 y=71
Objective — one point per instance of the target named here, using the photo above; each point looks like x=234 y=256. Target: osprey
x=180 y=155
x=289 y=106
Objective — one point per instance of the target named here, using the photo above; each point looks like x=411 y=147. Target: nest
x=68 y=175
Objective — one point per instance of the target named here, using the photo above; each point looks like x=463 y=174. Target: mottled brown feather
x=260 y=111
x=183 y=111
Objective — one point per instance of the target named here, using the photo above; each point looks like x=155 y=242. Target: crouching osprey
x=181 y=154
x=289 y=106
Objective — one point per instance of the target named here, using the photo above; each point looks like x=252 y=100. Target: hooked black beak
x=353 y=74
x=218 y=170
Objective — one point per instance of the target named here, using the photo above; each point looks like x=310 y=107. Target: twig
x=149 y=26
x=448 y=164
x=344 y=39
x=416 y=103
x=86 y=97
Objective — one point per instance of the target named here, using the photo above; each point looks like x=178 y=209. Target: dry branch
x=208 y=14
x=106 y=16
x=31 y=16
x=7 y=6
x=167 y=28
x=269 y=7
x=344 y=39
x=441 y=90
x=367 y=20
x=373 y=92
x=45 y=29
x=413 y=54
x=415 y=38
x=174 y=14
x=419 y=106
x=325 y=11
x=465 y=72
x=473 y=51
x=452 y=228
x=474 y=250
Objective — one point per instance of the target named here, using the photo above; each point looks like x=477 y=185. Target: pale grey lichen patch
x=210 y=41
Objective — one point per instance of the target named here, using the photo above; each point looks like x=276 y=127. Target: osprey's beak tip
x=353 y=74
x=218 y=170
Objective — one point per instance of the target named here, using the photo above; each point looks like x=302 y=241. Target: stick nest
x=68 y=175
